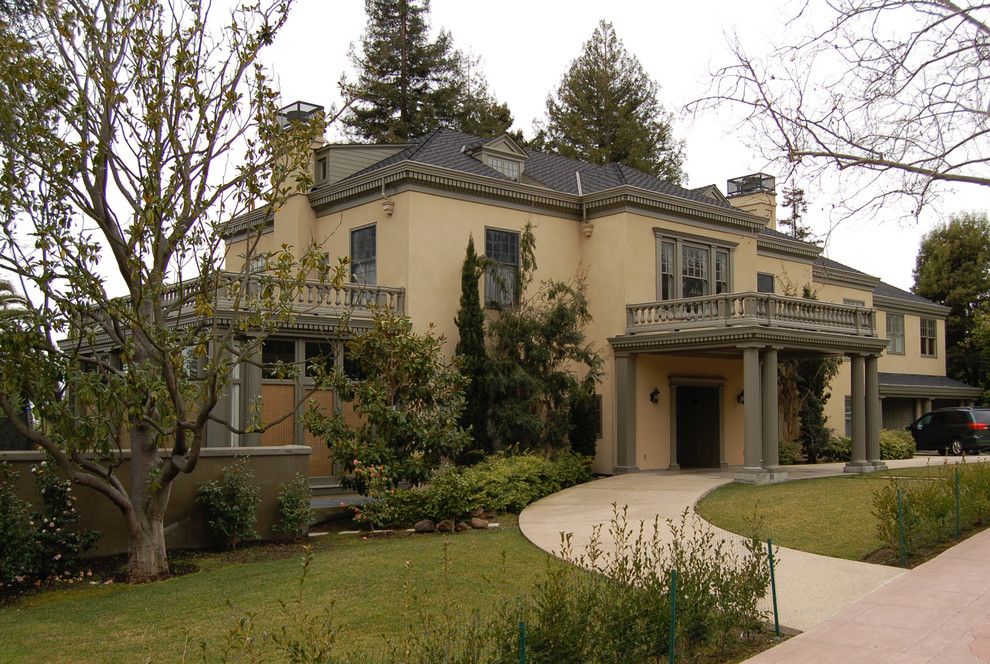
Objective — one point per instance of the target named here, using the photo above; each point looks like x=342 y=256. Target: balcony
x=314 y=299
x=730 y=310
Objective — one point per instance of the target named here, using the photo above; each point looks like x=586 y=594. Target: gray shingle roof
x=920 y=380
x=893 y=292
x=830 y=264
x=784 y=236
x=446 y=148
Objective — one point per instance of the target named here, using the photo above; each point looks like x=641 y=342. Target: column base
x=624 y=470
x=858 y=467
x=760 y=476
x=878 y=465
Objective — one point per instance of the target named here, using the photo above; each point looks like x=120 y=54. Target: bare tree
x=137 y=128
x=894 y=95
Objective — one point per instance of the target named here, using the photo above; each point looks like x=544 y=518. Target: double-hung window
x=895 y=334
x=501 y=276
x=687 y=266
x=364 y=256
x=928 y=332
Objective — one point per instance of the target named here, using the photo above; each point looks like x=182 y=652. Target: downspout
x=586 y=227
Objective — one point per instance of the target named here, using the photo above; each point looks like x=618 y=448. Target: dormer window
x=501 y=153
x=510 y=168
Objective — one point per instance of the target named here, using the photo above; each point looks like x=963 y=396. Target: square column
x=625 y=413
x=250 y=373
x=858 y=463
x=771 y=426
x=752 y=470
x=874 y=413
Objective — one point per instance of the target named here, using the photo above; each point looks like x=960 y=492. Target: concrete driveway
x=810 y=588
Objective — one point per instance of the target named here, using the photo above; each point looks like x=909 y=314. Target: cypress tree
x=474 y=359
x=606 y=110
x=408 y=85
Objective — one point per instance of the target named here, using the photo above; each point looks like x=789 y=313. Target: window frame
x=503 y=165
x=678 y=242
x=321 y=170
x=492 y=299
x=773 y=282
x=932 y=340
x=364 y=262
x=892 y=347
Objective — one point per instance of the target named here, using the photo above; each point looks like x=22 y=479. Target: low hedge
x=500 y=483
x=894 y=444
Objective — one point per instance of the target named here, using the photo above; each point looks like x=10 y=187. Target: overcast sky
x=527 y=45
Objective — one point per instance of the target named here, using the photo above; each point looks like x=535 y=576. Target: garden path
x=811 y=588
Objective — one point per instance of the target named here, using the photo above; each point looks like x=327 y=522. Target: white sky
x=527 y=45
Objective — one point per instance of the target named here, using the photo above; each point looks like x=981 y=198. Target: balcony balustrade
x=747 y=309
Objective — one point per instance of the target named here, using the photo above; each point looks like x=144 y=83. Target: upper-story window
x=510 y=168
x=258 y=263
x=928 y=337
x=687 y=267
x=364 y=256
x=321 y=170
x=895 y=334
x=502 y=249
x=764 y=283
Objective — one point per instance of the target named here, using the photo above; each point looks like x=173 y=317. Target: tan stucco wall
x=912 y=361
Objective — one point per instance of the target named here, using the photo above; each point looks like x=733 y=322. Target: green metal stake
x=673 y=616
x=902 y=545
x=957 y=504
x=522 y=643
x=773 y=588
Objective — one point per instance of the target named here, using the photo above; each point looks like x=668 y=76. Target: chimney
x=755 y=194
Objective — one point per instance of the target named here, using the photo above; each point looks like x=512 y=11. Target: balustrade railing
x=312 y=297
x=737 y=309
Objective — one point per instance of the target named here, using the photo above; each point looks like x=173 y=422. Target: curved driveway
x=810 y=588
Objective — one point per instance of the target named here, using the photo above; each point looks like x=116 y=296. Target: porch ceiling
x=729 y=342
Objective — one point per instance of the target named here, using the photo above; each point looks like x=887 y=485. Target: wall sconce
x=741 y=397
x=655 y=395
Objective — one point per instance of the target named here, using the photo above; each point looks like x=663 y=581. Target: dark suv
x=955 y=430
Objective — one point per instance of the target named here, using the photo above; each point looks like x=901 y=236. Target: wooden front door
x=698 y=433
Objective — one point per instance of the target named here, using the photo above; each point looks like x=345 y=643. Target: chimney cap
x=298 y=111
x=751 y=184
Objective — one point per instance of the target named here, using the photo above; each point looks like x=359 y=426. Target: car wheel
x=956 y=447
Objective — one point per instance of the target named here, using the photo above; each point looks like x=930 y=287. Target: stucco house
x=694 y=296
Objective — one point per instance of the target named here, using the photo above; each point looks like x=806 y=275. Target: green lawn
x=832 y=516
x=373 y=584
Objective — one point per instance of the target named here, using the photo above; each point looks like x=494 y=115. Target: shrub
x=838 y=448
x=59 y=545
x=231 y=502
x=294 y=507
x=617 y=615
x=790 y=452
x=896 y=444
x=17 y=532
x=500 y=483
x=929 y=505
x=40 y=544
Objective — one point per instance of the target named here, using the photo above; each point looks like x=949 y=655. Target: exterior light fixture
x=655 y=395
x=741 y=397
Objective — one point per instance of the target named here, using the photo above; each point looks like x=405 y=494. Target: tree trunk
x=146 y=558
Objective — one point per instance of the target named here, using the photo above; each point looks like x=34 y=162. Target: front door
x=697 y=427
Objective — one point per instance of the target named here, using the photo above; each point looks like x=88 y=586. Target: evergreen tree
x=795 y=201
x=408 y=85
x=606 y=110
x=474 y=360
x=953 y=269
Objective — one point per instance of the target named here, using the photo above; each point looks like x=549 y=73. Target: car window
x=924 y=421
x=959 y=417
x=982 y=416
x=940 y=419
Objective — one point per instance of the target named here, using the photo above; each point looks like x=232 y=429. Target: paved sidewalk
x=811 y=588
x=937 y=613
